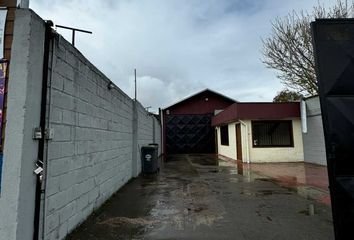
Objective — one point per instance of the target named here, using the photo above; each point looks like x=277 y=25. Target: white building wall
x=314 y=143
x=264 y=154
x=230 y=150
x=245 y=134
x=278 y=154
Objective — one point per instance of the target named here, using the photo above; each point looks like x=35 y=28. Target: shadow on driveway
x=202 y=197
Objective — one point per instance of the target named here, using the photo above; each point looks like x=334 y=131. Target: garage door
x=189 y=134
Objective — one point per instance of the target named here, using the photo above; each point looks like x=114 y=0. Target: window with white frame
x=272 y=133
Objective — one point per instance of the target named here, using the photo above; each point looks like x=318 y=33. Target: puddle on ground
x=193 y=205
x=266 y=192
x=233 y=171
x=313 y=193
x=204 y=160
x=271 y=192
x=162 y=212
x=123 y=221
x=226 y=164
x=234 y=180
x=153 y=184
x=290 y=184
x=266 y=180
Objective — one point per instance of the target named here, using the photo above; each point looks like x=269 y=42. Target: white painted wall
x=230 y=150
x=245 y=146
x=17 y=198
x=314 y=143
x=278 y=154
x=254 y=154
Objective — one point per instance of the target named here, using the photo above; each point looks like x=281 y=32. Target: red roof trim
x=260 y=110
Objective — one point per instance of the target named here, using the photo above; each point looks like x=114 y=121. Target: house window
x=224 y=135
x=272 y=134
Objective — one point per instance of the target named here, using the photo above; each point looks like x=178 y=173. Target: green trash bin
x=149 y=158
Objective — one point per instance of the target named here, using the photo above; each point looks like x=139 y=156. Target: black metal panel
x=334 y=54
x=189 y=134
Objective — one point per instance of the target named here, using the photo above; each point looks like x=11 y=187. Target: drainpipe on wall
x=247 y=147
x=303 y=116
x=41 y=143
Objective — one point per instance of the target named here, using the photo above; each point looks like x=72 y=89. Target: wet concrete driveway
x=200 y=197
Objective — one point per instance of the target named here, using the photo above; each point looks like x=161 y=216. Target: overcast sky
x=178 y=47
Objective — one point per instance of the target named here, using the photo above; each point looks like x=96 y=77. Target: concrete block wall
x=90 y=156
x=314 y=143
x=145 y=130
x=97 y=135
x=158 y=134
x=92 y=140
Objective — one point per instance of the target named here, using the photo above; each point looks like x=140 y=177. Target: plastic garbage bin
x=149 y=158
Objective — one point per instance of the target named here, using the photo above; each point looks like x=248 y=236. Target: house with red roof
x=260 y=132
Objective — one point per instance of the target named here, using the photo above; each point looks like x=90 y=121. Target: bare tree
x=289 y=48
x=287 y=96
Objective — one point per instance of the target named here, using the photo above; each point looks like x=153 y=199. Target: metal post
x=73 y=38
x=135 y=94
x=73 y=32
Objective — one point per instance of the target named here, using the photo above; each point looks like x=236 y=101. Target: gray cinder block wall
x=95 y=149
x=90 y=156
x=314 y=144
x=145 y=130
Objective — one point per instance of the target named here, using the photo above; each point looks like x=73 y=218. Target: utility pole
x=135 y=94
x=135 y=145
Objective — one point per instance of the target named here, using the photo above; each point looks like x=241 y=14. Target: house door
x=238 y=142
x=216 y=142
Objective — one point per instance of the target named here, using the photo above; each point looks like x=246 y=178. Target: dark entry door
x=189 y=134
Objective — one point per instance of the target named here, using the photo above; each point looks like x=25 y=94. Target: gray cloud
x=178 y=47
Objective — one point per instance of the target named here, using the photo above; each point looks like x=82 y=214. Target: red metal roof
x=204 y=102
x=244 y=111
